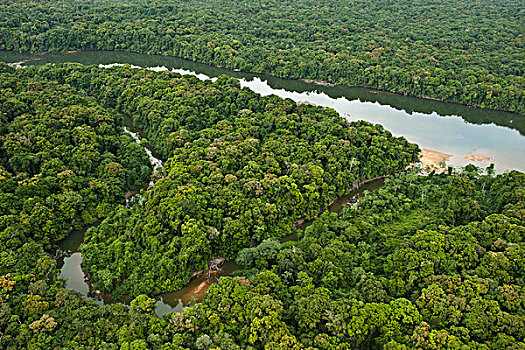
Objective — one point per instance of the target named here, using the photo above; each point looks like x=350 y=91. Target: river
x=450 y=128
x=446 y=127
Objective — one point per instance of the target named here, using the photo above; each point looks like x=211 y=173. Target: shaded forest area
x=458 y=51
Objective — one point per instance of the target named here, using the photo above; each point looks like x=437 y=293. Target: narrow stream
x=70 y=262
x=156 y=163
x=195 y=290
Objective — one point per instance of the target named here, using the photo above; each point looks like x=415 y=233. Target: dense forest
x=64 y=163
x=424 y=263
x=463 y=51
x=240 y=168
x=428 y=261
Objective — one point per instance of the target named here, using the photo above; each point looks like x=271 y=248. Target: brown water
x=195 y=291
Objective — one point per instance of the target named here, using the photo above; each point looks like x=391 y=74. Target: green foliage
x=64 y=161
x=458 y=51
x=143 y=303
x=431 y=262
x=423 y=263
x=233 y=178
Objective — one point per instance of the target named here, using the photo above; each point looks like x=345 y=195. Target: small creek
x=70 y=262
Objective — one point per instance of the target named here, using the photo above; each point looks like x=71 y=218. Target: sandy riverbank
x=433 y=159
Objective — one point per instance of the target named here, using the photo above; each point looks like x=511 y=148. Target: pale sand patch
x=199 y=288
x=306 y=103
x=433 y=158
x=476 y=158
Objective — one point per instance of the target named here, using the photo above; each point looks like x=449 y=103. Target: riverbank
x=434 y=160
x=450 y=128
x=438 y=161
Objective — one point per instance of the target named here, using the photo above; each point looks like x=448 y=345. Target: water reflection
x=70 y=263
x=406 y=104
x=445 y=127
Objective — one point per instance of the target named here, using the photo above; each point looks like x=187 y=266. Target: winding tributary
x=196 y=289
x=70 y=262
x=70 y=259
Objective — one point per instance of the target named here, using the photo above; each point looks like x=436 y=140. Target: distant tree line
x=458 y=51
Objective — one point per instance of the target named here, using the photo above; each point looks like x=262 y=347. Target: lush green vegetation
x=241 y=168
x=424 y=263
x=64 y=162
x=462 y=51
